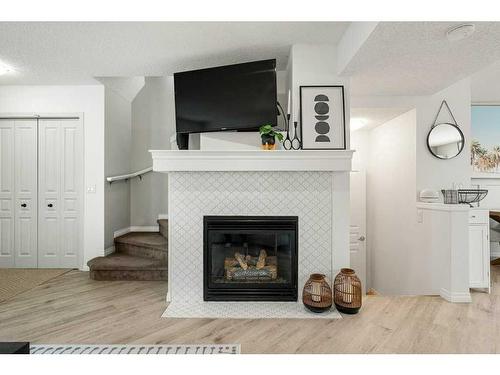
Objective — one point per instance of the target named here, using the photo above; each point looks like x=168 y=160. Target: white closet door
x=26 y=193
x=7 y=193
x=60 y=179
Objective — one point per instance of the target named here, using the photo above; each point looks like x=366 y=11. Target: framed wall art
x=322 y=117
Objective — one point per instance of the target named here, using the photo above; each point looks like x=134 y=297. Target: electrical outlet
x=91 y=189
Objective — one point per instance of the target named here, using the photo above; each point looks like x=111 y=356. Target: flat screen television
x=234 y=97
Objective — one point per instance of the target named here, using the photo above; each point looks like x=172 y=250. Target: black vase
x=268 y=141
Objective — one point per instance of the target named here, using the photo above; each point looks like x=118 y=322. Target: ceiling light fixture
x=357 y=123
x=460 y=32
x=4 y=69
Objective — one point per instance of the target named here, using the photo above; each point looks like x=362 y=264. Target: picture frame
x=322 y=117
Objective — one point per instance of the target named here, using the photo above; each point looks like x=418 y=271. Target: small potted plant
x=268 y=136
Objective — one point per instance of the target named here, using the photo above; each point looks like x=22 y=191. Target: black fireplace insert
x=250 y=258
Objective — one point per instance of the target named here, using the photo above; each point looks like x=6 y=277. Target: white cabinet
x=41 y=182
x=479 y=249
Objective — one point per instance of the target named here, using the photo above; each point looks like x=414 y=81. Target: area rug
x=245 y=310
x=135 y=349
x=14 y=281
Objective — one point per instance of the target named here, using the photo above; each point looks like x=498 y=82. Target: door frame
x=61 y=116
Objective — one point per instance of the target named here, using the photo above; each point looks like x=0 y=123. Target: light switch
x=420 y=216
x=91 y=189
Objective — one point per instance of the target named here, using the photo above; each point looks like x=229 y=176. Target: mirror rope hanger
x=444 y=103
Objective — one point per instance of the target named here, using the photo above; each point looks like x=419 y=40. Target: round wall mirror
x=445 y=140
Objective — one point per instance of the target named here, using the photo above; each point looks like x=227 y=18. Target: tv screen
x=233 y=97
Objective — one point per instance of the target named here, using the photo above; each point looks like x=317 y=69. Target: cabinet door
x=26 y=193
x=60 y=176
x=478 y=256
x=7 y=193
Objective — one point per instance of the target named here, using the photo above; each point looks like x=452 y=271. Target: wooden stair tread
x=117 y=261
x=146 y=239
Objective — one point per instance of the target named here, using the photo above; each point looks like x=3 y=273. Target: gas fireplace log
x=265 y=273
x=241 y=260
x=261 y=262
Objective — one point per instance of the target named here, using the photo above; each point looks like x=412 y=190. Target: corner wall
x=391 y=180
x=117 y=162
x=153 y=123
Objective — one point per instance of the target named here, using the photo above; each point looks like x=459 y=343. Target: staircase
x=137 y=256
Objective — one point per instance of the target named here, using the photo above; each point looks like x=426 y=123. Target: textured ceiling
x=373 y=117
x=415 y=58
x=73 y=53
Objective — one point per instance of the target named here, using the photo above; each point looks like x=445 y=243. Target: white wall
x=391 y=180
x=434 y=173
x=117 y=162
x=88 y=100
x=153 y=123
x=315 y=65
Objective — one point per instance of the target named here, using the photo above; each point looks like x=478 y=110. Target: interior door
x=26 y=193
x=7 y=193
x=60 y=178
x=358 y=225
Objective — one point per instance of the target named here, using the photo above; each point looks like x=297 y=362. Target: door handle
x=362 y=238
x=23 y=205
x=50 y=205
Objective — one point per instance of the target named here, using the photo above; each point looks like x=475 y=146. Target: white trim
x=121 y=232
x=455 y=297
x=443 y=207
x=152 y=228
x=109 y=250
x=162 y=216
x=136 y=228
x=251 y=160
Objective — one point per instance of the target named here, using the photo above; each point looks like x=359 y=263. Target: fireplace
x=250 y=258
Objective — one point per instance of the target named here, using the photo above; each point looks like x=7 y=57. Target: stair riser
x=140 y=251
x=163 y=225
x=139 y=275
x=164 y=231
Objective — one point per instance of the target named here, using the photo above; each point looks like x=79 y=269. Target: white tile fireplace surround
x=312 y=185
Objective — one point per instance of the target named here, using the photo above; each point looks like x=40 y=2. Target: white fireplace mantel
x=251 y=160
x=310 y=184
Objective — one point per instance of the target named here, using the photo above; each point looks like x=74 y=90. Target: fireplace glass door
x=250 y=258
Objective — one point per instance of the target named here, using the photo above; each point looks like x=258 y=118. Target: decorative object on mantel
x=322 y=117
x=429 y=196
x=347 y=291
x=268 y=136
x=445 y=139
x=317 y=294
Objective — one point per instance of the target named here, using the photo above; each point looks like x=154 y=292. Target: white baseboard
x=152 y=228
x=135 y=228
x=121 y=232
x=455 y=297
x=109 y=250
x=162 y=216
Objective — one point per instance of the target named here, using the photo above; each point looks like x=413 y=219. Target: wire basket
x=450 y=196
x=470 y=196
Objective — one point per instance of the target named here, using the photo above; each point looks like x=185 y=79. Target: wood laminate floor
x=75 y=310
